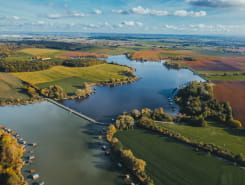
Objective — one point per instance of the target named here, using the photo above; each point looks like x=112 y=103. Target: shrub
x=235 y=123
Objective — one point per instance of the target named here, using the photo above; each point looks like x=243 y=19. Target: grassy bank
x=11 y=87
x=227 y=78
x=70 y=85
x=227 y=138
x=171 y=163
x=72 y=78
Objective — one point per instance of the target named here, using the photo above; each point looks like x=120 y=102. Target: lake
x=151 y=91
x=68 y=150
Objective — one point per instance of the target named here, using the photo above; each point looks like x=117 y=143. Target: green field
x=11 y=87
x=171 y=163
x=71 y=78
x=228 y=138
x=223 y=75
x=226 y=78
x=27 y=53
x=70 y=85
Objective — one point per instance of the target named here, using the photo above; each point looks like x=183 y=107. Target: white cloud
x=217 y=3
x=10 y=17
x=41 y=22
x=132 y=23
x=15 y=17
x=183 y=13
x=205 y=28
x=55 y=16
x=97 y=11
x=146 y=11
x=120 y=11
x=96 y=26
x=170 y=27
x=68 y=14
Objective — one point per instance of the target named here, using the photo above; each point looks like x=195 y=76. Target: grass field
x=171 y=163
x=11 y=87
x=69 y=77
x=227 y=78
x=231 y=139
x=70 y=85
x=40 y=51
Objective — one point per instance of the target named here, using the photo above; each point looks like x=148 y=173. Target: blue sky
x=209 y=17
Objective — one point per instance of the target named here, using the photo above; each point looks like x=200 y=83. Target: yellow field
x=39 y=51
x=97 y=73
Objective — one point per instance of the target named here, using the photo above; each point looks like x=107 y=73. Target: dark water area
x=151 y=91
x=68 y=151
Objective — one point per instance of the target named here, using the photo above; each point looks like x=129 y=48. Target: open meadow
x=173 y=163
x=71 y=78
x=11 y=87
x=227 y=138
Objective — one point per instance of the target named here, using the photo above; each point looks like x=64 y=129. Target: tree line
x=10 y=161
x=199 y=105
x=37 y=65
x=146 y=118
x=149 y=124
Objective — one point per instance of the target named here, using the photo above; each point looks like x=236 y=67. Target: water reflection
x=68 y=150
x=151 y=91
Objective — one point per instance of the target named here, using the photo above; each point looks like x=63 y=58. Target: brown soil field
x=233 y=92
x=158 y=54
x=146 y=55
x=80 y=54
x=218 y=64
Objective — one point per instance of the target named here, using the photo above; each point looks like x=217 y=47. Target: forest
x=37 y=65
x=198 y=105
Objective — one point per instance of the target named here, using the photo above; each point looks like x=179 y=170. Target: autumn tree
x=125 y=122
x=110 y=132
x=146 y=112
x=235 y=123
x=31 y=91
x=135 y=113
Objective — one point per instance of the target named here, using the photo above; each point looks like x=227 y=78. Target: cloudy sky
x=209 y=17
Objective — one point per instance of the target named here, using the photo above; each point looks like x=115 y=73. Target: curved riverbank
x=151 y=91
x=11 y=161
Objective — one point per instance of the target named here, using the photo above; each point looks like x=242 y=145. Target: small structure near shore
x=104 y=147
x=35 y=176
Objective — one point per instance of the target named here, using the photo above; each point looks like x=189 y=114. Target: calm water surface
x=151 y=91
x=68 y=152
